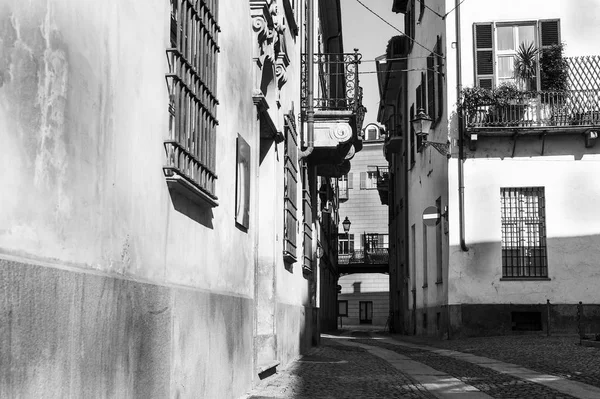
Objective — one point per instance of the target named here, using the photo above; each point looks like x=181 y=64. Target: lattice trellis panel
x=584 y=72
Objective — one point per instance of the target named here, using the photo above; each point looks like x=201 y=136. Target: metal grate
x=192 y=83
x=523 y=232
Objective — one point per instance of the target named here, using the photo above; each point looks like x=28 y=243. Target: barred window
x=291 y=190
x=308 y=217
x=523 y=232
x=192 y=83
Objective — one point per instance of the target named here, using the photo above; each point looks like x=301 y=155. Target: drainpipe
x=461 y=150
x=310 y=69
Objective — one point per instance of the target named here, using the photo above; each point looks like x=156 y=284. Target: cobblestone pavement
x=336 y=371
x=493 y=383
x=557 y=355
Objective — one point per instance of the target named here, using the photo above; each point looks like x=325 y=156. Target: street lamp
x=346 y=225
x=421 y=125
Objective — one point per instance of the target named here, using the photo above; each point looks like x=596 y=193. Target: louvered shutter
x=484 y=55
x=440 y=78
x=351 y=243
x=350 y=177
x=363 y=180
x=431 y=87
x=549 y=32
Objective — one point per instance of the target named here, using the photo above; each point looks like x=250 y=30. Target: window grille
x=291 y=190
x=523 y=232
x=307 y=224
x=192 y=83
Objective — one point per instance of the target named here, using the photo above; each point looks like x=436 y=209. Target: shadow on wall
x=199 y=214
x=531 y=146
x=572 y=274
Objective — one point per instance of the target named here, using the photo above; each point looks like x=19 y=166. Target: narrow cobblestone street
x=365 y=364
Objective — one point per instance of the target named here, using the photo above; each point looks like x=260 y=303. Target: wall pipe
x=310 y=69
x=461 y=150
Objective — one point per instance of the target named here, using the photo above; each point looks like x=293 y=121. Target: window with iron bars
x=192 y=83
x=523 y=232
x=291 y=190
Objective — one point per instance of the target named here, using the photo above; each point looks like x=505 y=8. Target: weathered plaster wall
x=83 y=108
x=68 y=334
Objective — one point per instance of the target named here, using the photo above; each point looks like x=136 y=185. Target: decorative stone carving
x=269 y=28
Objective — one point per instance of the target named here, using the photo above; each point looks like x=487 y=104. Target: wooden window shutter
x=363 y=180
x=549 y=32
x=440 y=79
x=484 y=55
x=431 y=110
x=351 y=242
x=349 y=183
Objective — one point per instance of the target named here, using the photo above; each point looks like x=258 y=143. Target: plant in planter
x=554 y=69
x=526 y=65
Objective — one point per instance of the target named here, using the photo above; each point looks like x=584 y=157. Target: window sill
x=525 y=279
x=184 y=187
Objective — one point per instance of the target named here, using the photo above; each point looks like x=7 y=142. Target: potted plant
x=526 y=66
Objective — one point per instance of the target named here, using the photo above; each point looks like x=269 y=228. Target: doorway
x=366 y=312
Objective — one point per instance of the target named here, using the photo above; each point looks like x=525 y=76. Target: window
x=291 y=189
x=307 y=178
x=435 y=83
x=192 y=83
x=413 y=137
x=368 y=179
x=523 y=232
x=373 y=241
x=344 y=184
x=413 y=254
x=343 y=308
x=346 y=244
x=425 y=279
x=372 y=133
x=496 y=45
x=438 y=245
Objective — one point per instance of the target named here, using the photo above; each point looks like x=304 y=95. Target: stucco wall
x=83 y=117
x=572 y=226
x=83 y=114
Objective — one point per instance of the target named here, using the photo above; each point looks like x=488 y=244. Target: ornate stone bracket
x=269 y=28
x=268 y=130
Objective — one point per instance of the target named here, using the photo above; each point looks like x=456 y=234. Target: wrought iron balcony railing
x=383 y=184
x=538 y=109
x=337 y=80
x=375 y=256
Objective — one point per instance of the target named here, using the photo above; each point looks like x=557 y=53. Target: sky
x=363 y=30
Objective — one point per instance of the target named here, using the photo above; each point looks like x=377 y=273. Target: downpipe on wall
x=310 y=69
x=461 y=147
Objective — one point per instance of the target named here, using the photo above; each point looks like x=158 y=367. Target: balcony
x=339 y=112
x=383 y=184
x=361 y=261
x=530 y=110
x=373 y=257
x=508 y=109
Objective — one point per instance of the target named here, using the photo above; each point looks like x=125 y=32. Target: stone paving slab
x=560 y=384
x=559 y=355
x=440 y=384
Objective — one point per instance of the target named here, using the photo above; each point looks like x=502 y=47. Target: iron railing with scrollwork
x=337 y=80
x=375 y=256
